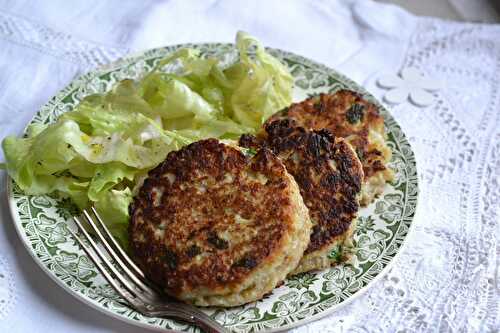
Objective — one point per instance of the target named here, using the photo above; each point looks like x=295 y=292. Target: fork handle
x=188 y=314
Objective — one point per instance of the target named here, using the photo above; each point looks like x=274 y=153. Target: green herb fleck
x=171 y=259
x=250 y=152
x=361 y=154
x=355 y=113
x=193 y=251
x=217 y=242
x=319 y=106
x=336 y=253
x=246 y=262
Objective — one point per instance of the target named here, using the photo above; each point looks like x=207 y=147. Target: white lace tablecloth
x=448 y=276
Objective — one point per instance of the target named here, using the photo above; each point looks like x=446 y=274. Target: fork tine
x=125 y=283
x=123 y=293
x=113 y=253
x=117 y=246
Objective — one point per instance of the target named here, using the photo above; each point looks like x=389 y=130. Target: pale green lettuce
x=258 y=86
x=97 y=153
x=112 y=207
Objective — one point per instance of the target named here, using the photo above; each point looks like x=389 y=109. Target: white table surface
x=448 y=278
x=461 y=10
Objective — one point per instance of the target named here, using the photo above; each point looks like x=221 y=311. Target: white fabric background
x=448 y=278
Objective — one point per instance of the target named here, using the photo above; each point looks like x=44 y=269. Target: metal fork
x=131 y=283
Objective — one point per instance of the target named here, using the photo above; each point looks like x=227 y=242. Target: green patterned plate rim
x=43 y=222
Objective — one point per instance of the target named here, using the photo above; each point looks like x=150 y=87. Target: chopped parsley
x=171 y=259
x=336 y=254
x=246 y=262
x=355 y=113
x=193 y=251
x=217 y=242
x=361 y=154
x=250 y=152
x=319 y=106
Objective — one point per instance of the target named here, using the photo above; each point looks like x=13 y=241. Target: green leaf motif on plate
x=293 y=302
x=339 y=278
x=66 y=209
x=41 y=201
x=57 y=234
x=365 y=224
x=371 y=247
x=233 y=318
x=301 y=281
x=79 y=266
x=391 y=208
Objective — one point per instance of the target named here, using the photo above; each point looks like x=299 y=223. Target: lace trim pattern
x=63 y=46
x=8 y=296
x=447 y=279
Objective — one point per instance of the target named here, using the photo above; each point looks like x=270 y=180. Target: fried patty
x=348 y=115
x=214 y=226
x=329 y=176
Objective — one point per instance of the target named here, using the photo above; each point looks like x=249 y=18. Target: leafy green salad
x=98 y=153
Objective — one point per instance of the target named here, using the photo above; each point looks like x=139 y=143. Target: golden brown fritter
x=348 y=115
x=329 y=176
x=216 y=227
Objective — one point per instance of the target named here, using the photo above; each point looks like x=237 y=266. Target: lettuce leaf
x=113 y=210
x=259 y=86
x=99 y=152
x=172 y=98
x=107 y=176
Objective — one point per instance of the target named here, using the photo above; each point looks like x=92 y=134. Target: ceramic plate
x=43 y=221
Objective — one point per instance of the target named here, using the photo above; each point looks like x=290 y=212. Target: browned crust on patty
x=198 y=242
x=346 y=114
x=326 y=169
